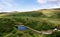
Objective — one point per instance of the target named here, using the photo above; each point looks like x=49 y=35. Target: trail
x=40 y=32
x=32 y=29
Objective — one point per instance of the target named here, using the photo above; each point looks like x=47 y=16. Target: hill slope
x=38 y=20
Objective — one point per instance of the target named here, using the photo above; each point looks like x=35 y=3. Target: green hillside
x=38 y=20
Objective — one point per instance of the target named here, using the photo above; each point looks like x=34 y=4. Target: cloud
x=49 y=3
x=9 y=2
x=41 y=1
x=45 y=1
x=8 y=5
x=52 y=0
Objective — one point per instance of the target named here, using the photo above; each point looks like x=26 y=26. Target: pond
x=22 y=28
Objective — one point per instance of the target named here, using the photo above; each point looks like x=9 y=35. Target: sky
x=27 y=5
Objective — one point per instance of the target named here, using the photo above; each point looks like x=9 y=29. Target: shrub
x=6 y=25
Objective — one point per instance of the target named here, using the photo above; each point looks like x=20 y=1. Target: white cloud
x=49 y=3
x=8 y=5
x=41 y=1
x=53 y=0
x=7 y=2
x=45 y=1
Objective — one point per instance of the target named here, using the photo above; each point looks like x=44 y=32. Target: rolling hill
x=45 y=19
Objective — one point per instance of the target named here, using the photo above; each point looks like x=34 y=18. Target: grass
x=35 y=20
x=26 y=33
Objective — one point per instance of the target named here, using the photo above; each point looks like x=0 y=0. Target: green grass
x=26 y=33
x=35 y=20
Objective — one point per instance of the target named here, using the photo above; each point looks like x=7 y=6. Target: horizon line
x=29 y=10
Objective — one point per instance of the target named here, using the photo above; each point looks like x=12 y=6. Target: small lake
x=22 y=28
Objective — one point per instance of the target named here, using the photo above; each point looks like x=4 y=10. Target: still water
x=22 y=28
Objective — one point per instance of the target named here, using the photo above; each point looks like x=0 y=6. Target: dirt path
x=41 y=32
x=32 y=29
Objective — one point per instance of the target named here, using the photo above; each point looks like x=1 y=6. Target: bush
x=56 y=34
x=6 y=25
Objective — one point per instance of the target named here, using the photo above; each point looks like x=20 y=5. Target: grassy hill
x=49 y=12
x=46 y=19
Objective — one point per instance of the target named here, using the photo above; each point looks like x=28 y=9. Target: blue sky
x=28 y=5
